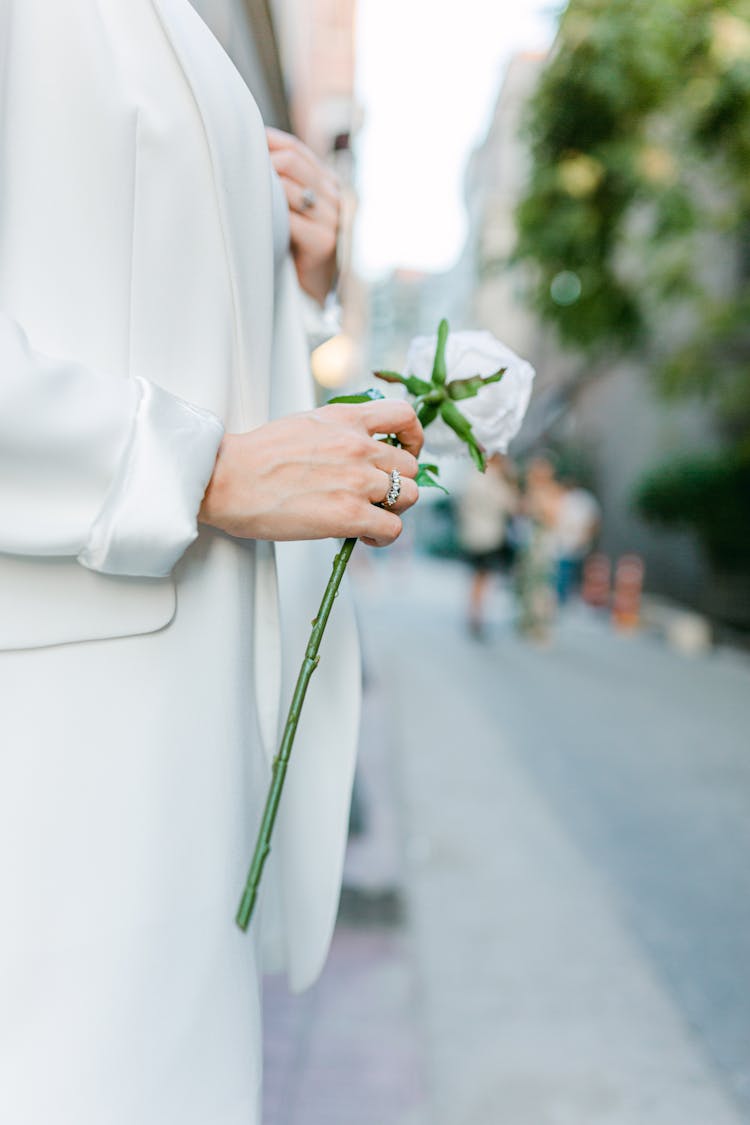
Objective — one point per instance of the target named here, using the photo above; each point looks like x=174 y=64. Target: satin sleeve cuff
x=321 y=321
x=150 y=515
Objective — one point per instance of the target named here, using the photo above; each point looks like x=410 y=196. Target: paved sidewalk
x=345 y=1052
x=569 y=830
x=349 y=1050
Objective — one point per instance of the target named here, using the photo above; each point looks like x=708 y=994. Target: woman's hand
x=316 y=475
x=314 y=199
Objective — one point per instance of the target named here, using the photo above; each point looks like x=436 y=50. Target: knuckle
x=394 y=529
x=363 y=479
x=338 y=412
x=339 y=444
x=385 y=527
x=411 y=465
x=367 y=447
x=281 y=159
x=409 y=492
x=325 y=413
x=353 y=445
x=403 y=410
x=302 y=149
x=360 y=479
x=348 y=507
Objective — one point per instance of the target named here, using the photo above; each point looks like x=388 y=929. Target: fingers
x=384 y=416
x=277 y=138
x=382 y=528
x=324 y=209
x=388 y=457
x=313 y=475
x=295 y=162
x=390 y=416
x=314 y=200
x=381 y=483
x=291 y=158
x=280 y=141
x=314 y=233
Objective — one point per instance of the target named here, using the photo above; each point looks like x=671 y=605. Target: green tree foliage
x=639 y=187
x=711 y=494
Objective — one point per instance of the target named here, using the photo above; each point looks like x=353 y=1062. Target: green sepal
x=426 y=475
x=476 y=454
x=370 y=395
x=468 y=388
x=427 y=413
x=460 y=425
x=439 y=370
x=453 y=417
x=414 y=385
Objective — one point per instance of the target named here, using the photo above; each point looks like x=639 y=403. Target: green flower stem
x=432 y=398
x=280 y=762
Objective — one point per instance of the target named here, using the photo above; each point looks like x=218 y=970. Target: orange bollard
x=597 y=573
x=626 y=603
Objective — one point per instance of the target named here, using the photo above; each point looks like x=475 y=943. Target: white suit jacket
x=135 y=239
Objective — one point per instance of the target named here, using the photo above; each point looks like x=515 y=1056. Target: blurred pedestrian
x=576 y=525
x=485 y=512
x=535 y=570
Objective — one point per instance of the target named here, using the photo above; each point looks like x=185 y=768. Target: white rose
x=497 y=411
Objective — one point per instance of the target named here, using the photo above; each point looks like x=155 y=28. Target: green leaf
x=425 y=477
x=370 y=395
x=439 y=371
x=469 y=388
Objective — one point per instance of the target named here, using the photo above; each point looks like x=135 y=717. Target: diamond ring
x=394 y=490
x=309 y=199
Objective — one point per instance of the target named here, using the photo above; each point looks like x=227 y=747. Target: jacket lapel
x=242 y=177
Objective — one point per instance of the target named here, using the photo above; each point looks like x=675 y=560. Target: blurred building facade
x=316 y=44
x=407 y=303
x=246 y=31
x=297 y=57
x=609 y=422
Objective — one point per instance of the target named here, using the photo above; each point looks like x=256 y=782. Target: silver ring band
x=309 y=199
x=394 y=490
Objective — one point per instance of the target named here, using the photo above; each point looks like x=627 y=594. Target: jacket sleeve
x=110 y=471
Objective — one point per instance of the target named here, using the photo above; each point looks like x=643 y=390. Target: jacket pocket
x=53 y=601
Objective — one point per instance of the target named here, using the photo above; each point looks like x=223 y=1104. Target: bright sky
x=428 y=73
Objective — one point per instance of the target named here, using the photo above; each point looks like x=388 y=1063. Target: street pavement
x=547 y=918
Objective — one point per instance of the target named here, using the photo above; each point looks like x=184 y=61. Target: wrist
x=318 y=282
x=215 y=497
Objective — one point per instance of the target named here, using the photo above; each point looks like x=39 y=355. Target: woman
x=535 y=567
x=149 y=330
x=488 y=503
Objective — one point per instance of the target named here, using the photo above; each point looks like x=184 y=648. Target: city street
x=547 y=917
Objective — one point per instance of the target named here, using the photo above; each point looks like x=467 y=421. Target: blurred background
x=546 y=909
